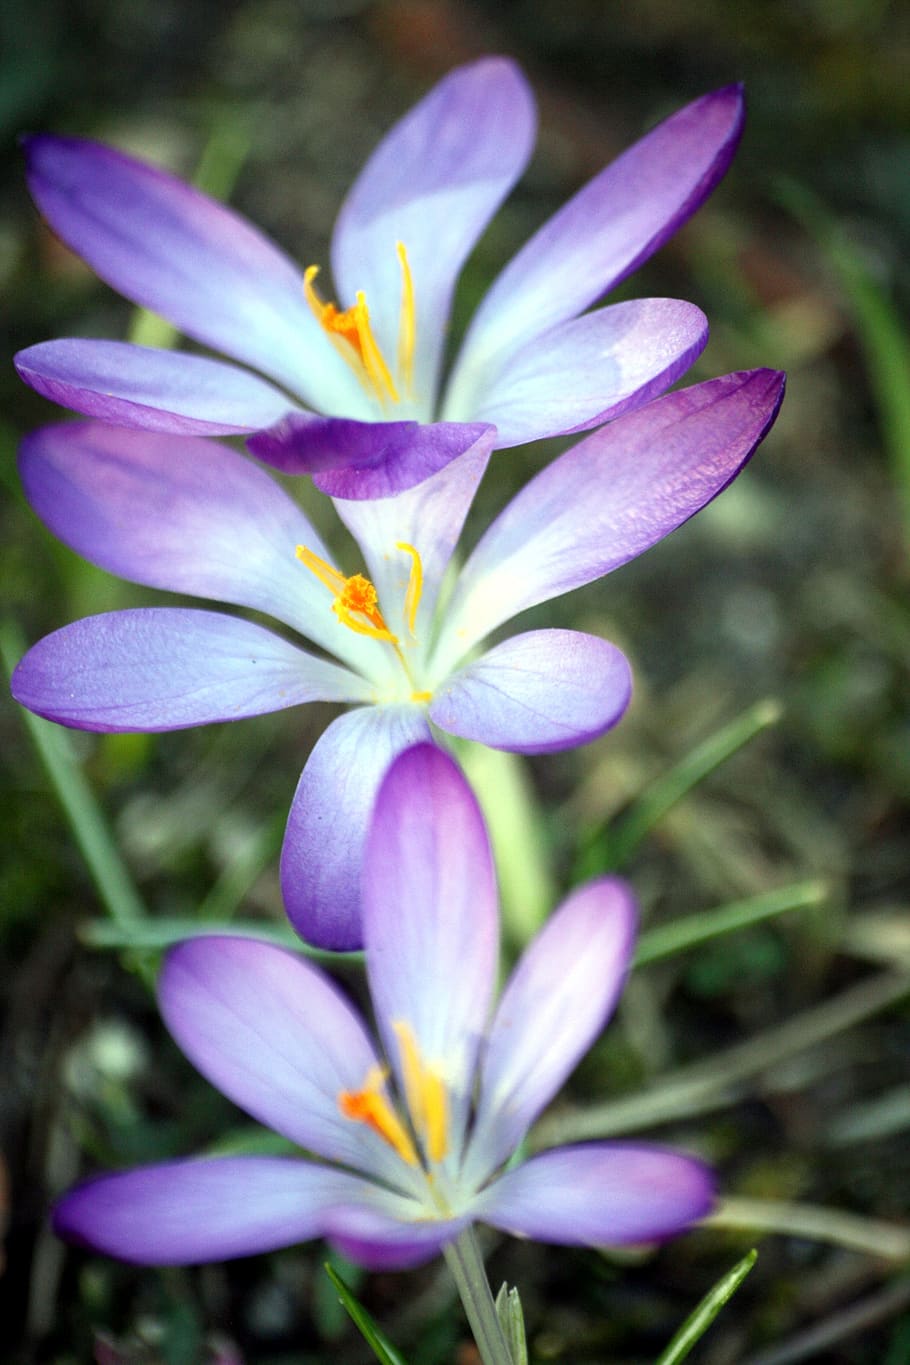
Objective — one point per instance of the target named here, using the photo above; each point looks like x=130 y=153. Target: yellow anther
x=407 y=323
x=415 y=584
x=425 y=1093
x=356 y=604
x=371 y=1106
x=350 y=331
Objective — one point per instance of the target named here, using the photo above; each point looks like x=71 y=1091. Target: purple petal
x=185 y=1212
x=163 y=668
x=535 y=693
x=183 y=514
x=275 y=1036
x=431 y=924
x=612 y=496
x=378 y=1241
x=429 y=517
x=135 y=386
x=363 y=459
x=600 y=1195
x=591 y=369
x=555 y=1005
x=322 y=857
x=433 y=183
x=606 y=230
x=174 y=250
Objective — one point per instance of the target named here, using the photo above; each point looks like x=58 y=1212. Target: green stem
x=466 y=1264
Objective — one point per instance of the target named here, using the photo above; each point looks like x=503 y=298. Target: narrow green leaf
x=667 y=939
x=160 y=933
x=700 y=1320
x=880 y=328
x=512 y=1321
x=375 y=1338
x=114 y=885
x=605 y=850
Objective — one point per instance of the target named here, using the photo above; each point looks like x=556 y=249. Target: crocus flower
x=411 y=1136
x=191 y=516
x=353 y=392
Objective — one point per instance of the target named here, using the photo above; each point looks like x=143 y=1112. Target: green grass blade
x=109 y=873
x=698 y=1322
x=607 y=850
x=375 y=1338
x=668 y=939
x=155 y=935
x=882 y=332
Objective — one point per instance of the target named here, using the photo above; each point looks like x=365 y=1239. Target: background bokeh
x=792 y=586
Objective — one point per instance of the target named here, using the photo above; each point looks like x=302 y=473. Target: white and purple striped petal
x=430 y=919
x=603 y=1194
x=278 y=1038
x=610 y=497
x=166 y=668
x=433 y=183
x=590 y=369
x=554 y=1006
x=153 y=390
x=174 y=250
x=536 y=693
x=211 y=1209
x=605 y=231
x=322 y=855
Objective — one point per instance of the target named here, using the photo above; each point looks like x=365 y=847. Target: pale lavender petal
x=322 y=857
x=612 y=496
x=430 y=518
x=277 y=1037
x=431 y=924
x=555 y=1005
x=537 y=692
x=363 y=459
x=605 y=231
x=136 y=386
x=591 y=369
x=209 y=1209
x=433 y=183
x=172 y=249
x=600 y=1195
x=184 y=514
x=164 y=668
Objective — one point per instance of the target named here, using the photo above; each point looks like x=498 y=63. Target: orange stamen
x=370 y=1106
x=356 y=602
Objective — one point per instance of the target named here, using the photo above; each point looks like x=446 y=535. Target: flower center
x=425 y=1098
x=351 y=333
x=356 y=602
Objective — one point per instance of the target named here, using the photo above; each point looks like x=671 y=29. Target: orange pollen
x=351 y=333
x=371 y=1107
x=356 y=603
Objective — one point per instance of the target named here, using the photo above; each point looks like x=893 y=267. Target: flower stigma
x=425 y=1099
x=351 y=333
x=356 y=603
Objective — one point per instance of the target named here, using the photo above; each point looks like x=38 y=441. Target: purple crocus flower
x=417 y=1131
x=354 y=393
x=188 y=515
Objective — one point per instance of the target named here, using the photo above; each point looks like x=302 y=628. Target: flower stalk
x=466 y=1264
